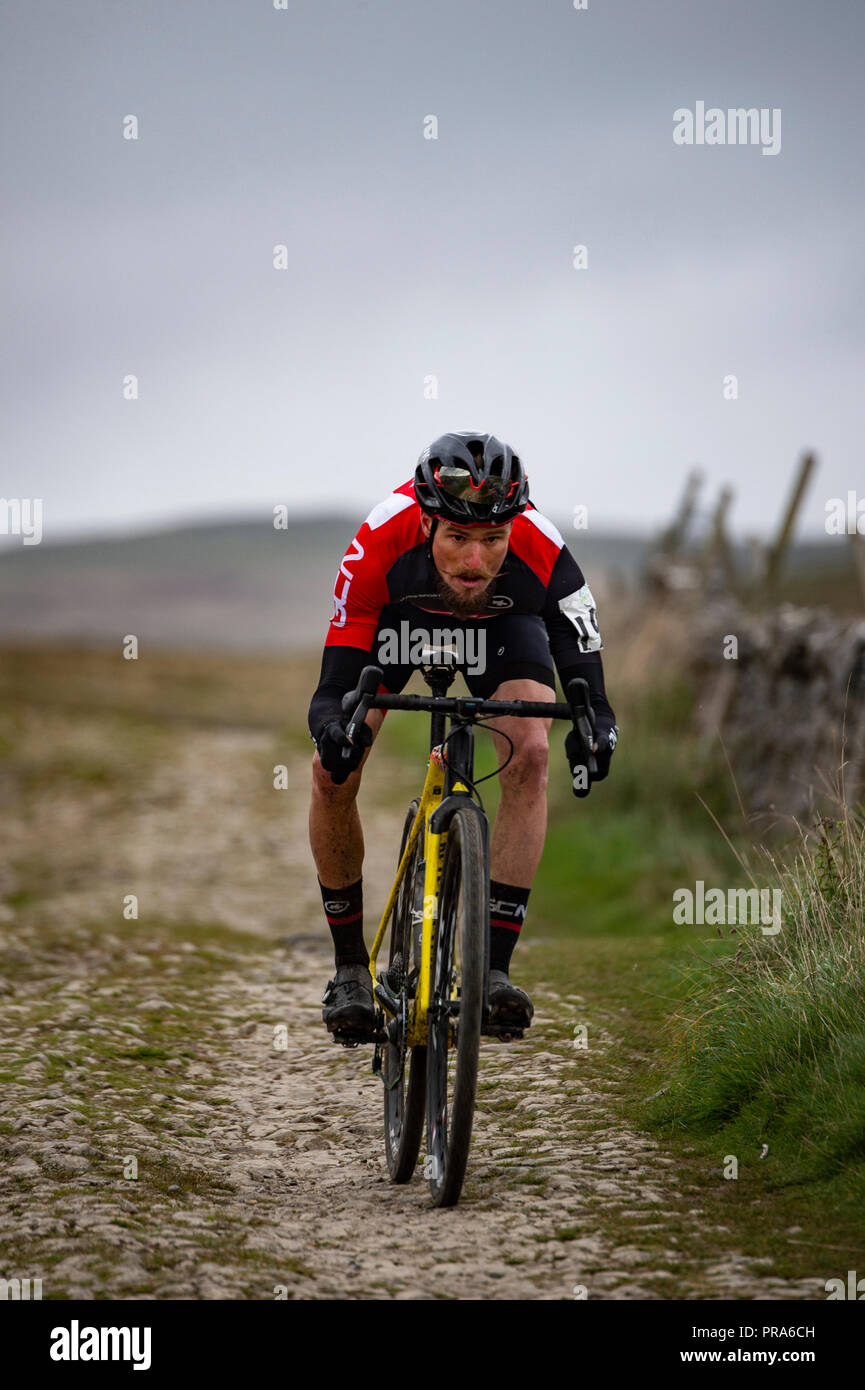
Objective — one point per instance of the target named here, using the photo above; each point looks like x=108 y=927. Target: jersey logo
x=500 y=601
x=339 y=599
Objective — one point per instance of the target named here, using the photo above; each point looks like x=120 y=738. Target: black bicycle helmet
x=471 y=478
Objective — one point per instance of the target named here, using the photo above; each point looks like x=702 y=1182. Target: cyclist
x=460 y=543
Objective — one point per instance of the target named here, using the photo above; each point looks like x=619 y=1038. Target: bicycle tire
x=405 y=1096
x=458 y=978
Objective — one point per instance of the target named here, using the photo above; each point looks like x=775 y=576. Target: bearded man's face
x=467 y=560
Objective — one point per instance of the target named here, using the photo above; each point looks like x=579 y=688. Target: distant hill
x=239 y=584
x=244 y=584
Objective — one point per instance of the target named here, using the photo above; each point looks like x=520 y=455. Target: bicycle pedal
x=504 y=1034
x=346 y=1038
x=351 y=1039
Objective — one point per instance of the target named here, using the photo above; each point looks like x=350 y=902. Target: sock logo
x=336 y=905
x=500 y=908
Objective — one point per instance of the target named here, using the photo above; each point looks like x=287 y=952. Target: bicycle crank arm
x=387 y=999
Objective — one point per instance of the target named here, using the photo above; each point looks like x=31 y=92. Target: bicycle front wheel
x=456 y=1006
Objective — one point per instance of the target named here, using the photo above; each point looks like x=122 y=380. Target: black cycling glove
x=330 y=744
x=606 y=735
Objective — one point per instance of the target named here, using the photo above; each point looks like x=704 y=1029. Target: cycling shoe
x=510 y=1007
x=348 y=1003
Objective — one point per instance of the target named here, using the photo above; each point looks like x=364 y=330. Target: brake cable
x=475 y=783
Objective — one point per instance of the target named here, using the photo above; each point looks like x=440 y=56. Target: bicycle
x=432 y=997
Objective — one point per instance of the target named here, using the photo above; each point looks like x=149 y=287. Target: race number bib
x=580 y=608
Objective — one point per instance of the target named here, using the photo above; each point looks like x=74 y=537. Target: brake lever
x=584 y=721
x=357 y=701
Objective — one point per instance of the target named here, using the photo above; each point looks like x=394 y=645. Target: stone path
x=163 y=1135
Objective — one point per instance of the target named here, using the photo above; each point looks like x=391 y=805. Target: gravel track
x=158 y=1042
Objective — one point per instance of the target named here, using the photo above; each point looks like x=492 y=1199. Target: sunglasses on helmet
x=458 y=482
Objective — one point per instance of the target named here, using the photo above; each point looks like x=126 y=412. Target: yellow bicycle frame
x=434 y=849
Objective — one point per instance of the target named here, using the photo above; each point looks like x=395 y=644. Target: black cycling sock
x=507 y=914
x=343 y=908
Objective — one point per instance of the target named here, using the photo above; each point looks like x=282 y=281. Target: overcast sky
x=412 y=257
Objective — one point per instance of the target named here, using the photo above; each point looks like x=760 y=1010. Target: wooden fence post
x=779 y=548
x=857 y=542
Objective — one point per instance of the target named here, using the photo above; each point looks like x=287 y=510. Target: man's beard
x=463 y=605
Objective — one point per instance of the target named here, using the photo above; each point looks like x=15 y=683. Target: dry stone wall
x=785 y=690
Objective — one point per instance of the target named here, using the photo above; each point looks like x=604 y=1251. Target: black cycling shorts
x=511 y=647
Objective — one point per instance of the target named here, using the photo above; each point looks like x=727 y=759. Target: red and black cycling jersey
x=390 y=562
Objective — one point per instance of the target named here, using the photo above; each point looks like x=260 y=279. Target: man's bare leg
x=520 y=828
x=336 y=840
x=516 y=845
x=335 y=831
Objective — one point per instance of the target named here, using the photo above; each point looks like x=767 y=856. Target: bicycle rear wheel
x=456 y=1006
x=404 y=1076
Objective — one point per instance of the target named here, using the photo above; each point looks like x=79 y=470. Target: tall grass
x=773 y=1037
